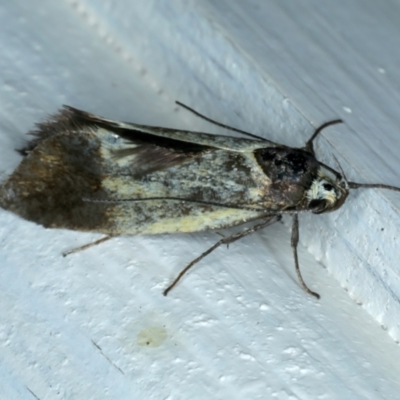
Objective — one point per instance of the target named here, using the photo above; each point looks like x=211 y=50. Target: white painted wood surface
x=238 y=326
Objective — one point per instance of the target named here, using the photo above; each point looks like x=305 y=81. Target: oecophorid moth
x=88 y=173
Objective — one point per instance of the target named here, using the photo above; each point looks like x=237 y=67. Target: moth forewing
x=132 y=131
x=97 y=165
x=88 y=173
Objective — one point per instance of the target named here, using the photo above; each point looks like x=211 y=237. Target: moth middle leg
x=227 y=240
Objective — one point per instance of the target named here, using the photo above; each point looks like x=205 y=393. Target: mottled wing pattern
x=85 y=172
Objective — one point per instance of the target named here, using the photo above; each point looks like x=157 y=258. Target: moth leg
x=294 y=243
x=226 y=240
x=310 y=145
x=86 y=246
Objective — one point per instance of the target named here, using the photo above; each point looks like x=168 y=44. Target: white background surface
x=238 y=326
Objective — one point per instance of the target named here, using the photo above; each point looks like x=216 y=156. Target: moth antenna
x=338 y=176
x=355 y=185
x=209 y=203
x=309 y=144
x=343 y=175
x=340 y=167
x=219 y=123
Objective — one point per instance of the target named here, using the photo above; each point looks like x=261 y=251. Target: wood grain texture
x=95 y=324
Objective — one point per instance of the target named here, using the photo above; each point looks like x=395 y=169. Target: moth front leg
x=294 y=243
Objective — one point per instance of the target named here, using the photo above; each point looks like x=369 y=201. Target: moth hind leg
x=226 y=240
x=86 y=246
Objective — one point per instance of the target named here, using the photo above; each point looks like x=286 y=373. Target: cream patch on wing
x=111 y=143
x=196 y=221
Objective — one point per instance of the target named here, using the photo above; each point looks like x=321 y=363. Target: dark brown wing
x=150 y=151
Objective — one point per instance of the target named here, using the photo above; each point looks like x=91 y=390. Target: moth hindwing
x=88 y=173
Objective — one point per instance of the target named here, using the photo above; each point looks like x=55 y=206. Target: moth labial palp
x=87 y=173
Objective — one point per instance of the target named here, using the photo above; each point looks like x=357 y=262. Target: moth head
x=326 y=193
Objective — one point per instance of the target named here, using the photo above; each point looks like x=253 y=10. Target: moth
x=87 y=173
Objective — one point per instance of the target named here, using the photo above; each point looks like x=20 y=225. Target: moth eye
x=318 y=206
x=328 y=186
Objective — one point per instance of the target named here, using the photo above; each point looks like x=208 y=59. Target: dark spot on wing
x=152 y=152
